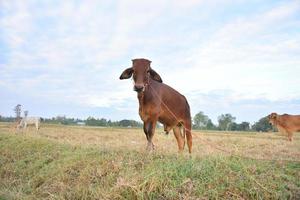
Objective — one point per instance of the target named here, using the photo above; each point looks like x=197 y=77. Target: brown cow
x=159 y=102
x=286 y=124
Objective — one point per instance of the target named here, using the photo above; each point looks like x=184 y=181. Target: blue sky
x=65 y=57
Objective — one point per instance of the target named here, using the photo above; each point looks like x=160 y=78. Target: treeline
x=7 y=119
x=226 y=122
x=90 y=121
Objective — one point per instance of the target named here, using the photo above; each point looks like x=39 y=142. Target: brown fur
x=159 y=102
x=286 y=124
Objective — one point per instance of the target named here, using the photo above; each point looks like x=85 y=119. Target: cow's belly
x=168 y=121
x=292 y=124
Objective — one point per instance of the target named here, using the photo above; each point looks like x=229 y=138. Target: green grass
x=38 y=168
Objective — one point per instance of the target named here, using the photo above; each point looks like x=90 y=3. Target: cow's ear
x=155 y=76
x=273 y=116
x=127 y=73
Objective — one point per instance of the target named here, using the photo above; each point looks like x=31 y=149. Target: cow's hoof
x=150 y=147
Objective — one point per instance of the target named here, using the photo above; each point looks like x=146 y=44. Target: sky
x=65 y=57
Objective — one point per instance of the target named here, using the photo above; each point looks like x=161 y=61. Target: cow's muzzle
x=139 y=88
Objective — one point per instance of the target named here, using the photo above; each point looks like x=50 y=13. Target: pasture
x=65 y=162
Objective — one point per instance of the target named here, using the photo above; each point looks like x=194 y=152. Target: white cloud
x=16 y=25
x=246 y=57
x=77 y=50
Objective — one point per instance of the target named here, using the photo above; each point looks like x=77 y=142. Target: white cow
x=30 y=120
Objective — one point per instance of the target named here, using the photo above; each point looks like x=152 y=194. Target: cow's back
x=32 y=120
x=174 y=104
x=290 y=122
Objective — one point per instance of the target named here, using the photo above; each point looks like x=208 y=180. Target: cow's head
x=273 y=118
x=141 y=72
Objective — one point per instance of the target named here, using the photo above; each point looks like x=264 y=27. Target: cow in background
x=286 y=124
x=29 y=121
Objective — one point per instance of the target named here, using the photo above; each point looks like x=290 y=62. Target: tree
x=244 y=126
x=129 y=123
x=262 y=125
x=17 y=110
x=210 y=125
x=125 y=123
x=200 y=120
x=225 y=121
x=26 y=113
x=234 y=126
x=91 y=121
x=60 y=119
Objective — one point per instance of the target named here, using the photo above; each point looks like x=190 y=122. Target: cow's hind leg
x=167 y=129
x=179 y=138
x=188 y=133
x=37 y=126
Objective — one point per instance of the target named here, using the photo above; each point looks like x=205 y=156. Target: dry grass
x=63 y=162
x=269 y=146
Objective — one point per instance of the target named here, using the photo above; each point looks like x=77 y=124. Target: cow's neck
x=142 y=96
x=278 y=121
x=146 y=96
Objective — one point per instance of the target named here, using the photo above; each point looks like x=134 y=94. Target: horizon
x=65 y=58
x=99 y=118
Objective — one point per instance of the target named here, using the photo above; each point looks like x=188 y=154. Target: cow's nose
x=138 y=88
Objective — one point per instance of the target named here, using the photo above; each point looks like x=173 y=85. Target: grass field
x=63 y=162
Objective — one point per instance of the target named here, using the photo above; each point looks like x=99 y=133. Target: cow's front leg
x=290 y=136
x=149 y=129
